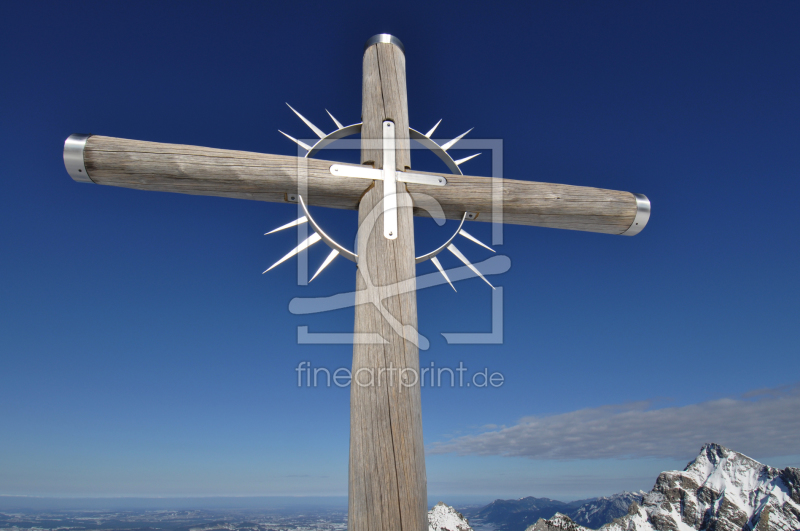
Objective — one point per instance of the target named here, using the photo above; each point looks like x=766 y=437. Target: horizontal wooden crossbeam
x=263 y=177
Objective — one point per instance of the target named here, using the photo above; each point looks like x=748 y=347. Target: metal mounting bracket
x=389 y=183
x=389 y=175
x=365 y=172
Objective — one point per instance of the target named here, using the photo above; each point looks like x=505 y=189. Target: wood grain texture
x=387 y=487
x=384 y=94
x=262 y=177
x=387 y=481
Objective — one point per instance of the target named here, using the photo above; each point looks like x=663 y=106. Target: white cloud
x=760 y=424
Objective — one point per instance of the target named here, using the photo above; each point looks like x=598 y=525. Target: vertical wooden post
x=387 y=482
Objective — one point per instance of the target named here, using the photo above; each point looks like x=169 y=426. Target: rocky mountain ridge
x=721 y=490
x=516 y=515
x=599 y=511
x=444 y=518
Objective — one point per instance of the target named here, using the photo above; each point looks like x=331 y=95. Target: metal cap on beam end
x=73 y=158
x=385 y=37
x=642 y=215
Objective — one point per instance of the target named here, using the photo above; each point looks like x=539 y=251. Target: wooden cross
x=387 y=481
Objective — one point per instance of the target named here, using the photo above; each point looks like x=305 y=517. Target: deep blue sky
x=144 y=354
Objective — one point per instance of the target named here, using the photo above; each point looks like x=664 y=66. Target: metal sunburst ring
x=337 y=249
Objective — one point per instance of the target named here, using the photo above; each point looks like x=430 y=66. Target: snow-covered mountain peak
x=718 y=467
x=559 y=522
x=725 y=487
x=444 y=518
x=720 y=490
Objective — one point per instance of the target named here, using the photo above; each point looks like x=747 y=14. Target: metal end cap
x=385 y=37
x=73 y=158
x=642 y=215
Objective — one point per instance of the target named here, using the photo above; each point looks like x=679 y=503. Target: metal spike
x=338 y=125
x=441 y=270
x=311 y=240
x=293 y=139
x=334 y=254
x=459 y=162
x=469 y=236
x=448 y=145
x=313 y=127
x=452 y=249
x=433 y=129
x=294 y=223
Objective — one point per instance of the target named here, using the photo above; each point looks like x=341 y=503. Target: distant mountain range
x=516 y=515
x=720 y=490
